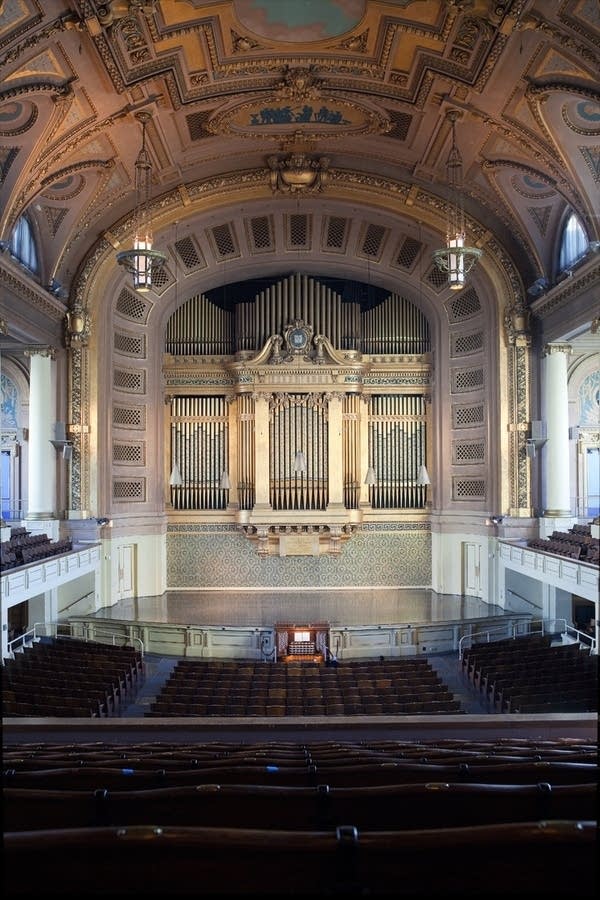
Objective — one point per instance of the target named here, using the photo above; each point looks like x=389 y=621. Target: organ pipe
x=397 y=447
x=297 y=424
x=201 y=327
x=199 y=444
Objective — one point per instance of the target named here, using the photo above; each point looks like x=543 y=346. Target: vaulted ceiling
x=296 y=129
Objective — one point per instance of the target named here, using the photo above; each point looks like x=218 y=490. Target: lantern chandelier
x=142 y=261
x=455 y=258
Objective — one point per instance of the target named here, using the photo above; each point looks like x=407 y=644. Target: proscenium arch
x=223 y=198
x=204 y=205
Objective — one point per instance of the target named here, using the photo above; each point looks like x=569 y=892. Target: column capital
x=40 y=351
x=558 y=347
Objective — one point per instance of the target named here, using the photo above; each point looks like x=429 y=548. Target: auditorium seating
x=72 y=678
x=238 y=688
x=23 y=548
x=529 y=675
x=324 y=818
x=576 y=543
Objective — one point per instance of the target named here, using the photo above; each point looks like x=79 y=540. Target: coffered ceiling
x=285 y=128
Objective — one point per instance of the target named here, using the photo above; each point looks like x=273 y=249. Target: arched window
x=22 y=245
x=573 y=243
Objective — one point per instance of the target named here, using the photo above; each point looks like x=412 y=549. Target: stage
x=265 y=608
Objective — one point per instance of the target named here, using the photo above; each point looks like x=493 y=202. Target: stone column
x=42 y=454
x=555 y=456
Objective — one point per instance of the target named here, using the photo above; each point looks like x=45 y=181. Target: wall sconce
x=175 y=479
x=299 y=462
x=537 y=438
x=496 y=520
x=370 y=477
x=60 y=441
x=423 y=476
x=225 y=483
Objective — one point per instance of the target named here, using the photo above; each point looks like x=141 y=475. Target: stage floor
x=375 y=606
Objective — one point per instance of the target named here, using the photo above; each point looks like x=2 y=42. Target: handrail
x=503 y=631
x=50 y=629
x=78 y=600
x=580 y=636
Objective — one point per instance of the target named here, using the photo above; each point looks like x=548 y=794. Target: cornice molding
x=15 y=282
x=562 y=294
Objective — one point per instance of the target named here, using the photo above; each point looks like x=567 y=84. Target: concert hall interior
x=300 y=407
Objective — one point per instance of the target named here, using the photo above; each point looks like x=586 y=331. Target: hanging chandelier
x=142 y=261
x=455 y=258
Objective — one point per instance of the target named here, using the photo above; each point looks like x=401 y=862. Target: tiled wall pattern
x=221 y=556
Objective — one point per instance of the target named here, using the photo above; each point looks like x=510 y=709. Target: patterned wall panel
x=132 y=306
x=129 y=416
x=468 y=489
x=130 y=344
x=470 y=415
x=129 y=453
x=462 y=344
x=129 y=490
x=220 y=556
x=130 y=381
x=466 y=380
x=468 y=452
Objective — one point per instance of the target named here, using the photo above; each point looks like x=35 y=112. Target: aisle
x=447 y=667
x=157 y=671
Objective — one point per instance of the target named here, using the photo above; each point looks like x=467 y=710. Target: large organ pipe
x=397 y=446
x=200 y=326
x=200 y=446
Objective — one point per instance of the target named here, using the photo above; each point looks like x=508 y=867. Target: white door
x=471 y=569
x=126 y=571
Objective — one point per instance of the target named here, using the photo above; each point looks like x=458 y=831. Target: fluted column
x=42 y=455
x=555 y=457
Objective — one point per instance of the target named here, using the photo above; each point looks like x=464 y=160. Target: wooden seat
x=172 y=860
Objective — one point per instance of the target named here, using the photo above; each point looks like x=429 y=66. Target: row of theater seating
x=331 y=818
x=528 y=675
x=577 y=543
x=207 y=688
x=23 y=548
x=73 y=678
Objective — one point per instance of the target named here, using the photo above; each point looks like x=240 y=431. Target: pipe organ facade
x=279 y=436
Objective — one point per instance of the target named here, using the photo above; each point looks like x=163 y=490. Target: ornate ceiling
x=274 y=116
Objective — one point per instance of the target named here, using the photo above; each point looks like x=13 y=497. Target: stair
x=157 y=671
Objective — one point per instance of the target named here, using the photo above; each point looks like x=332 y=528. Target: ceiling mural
x=304 y=22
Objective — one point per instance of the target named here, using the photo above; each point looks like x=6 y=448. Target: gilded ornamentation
x=298 y=172
x=241 y=43
x=77 y=324
x=357 y=43
x=299 y=85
